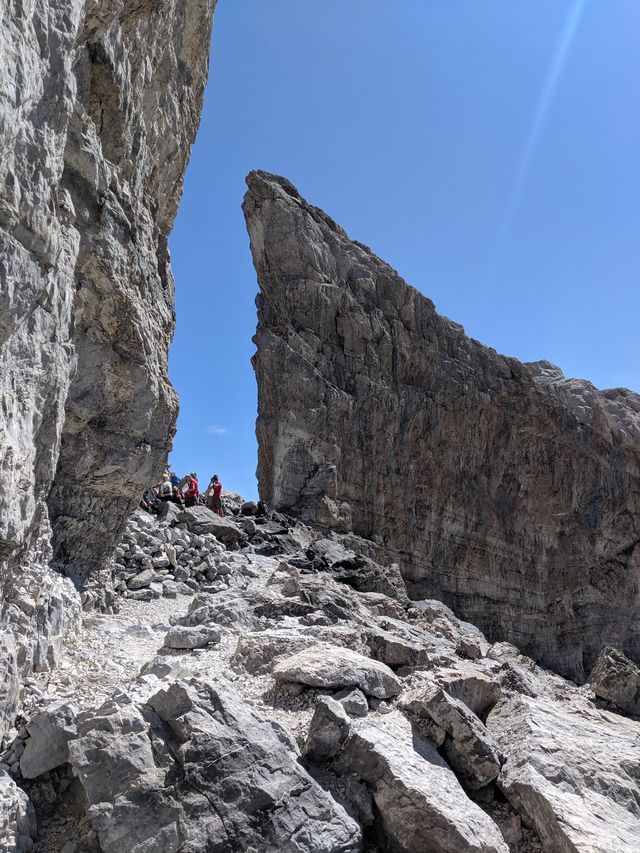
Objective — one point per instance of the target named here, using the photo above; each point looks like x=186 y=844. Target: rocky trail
x=264 y=688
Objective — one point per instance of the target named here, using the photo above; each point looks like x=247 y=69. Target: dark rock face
x=100 y=101
x=505 y=489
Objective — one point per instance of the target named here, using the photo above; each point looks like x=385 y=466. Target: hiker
x=148 y=500
x=164 y=489
x=175 y=480
x=191 y=493
x=215 y=496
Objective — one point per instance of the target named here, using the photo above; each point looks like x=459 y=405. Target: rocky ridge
x=504 y=489
x=303 y=708
x=99 y=104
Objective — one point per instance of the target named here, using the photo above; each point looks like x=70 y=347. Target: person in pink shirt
x=215 y=495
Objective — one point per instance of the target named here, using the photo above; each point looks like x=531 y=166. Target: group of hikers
x=184 y=491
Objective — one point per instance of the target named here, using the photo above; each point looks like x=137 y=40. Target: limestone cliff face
x=99 y=104
x=503 y=488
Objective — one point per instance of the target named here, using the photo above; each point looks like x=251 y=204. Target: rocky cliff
x=503 y=488
x=99 y=104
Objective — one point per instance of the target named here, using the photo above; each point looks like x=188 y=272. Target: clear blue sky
x=488 y=149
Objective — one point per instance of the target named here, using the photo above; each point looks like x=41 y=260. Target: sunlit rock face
x=503 y=488
x=99 y=104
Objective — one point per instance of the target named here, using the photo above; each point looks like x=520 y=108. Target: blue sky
x=487 y=149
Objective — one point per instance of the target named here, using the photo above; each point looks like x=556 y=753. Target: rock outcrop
x=222 y=720
x=504 y=489
x=556 y=758
x=99 y=104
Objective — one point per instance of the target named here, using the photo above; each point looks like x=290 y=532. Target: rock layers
x=99 y=104
x=502 y=488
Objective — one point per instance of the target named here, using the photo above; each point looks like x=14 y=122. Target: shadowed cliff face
x=100 y=102
x=503 y=488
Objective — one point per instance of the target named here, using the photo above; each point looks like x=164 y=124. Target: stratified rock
x=195 y=768
x=572 y=771
x=503 y=488
x=100 y=102
x=17 y=818
x=468 y=746
x=49 y=734
x=617 y=679
x=421 y=803
x=180 y=637
x=200 y=520
x=328 y=729
x=329 y=666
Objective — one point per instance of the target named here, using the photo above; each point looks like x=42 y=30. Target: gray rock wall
x=503 y=488
x=99 y=104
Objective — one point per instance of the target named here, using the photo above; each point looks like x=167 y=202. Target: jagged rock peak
x=506 y=489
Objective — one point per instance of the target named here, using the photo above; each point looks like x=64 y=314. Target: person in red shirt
x=191 y=492
x=215 y=495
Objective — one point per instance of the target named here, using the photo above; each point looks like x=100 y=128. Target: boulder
x=258 y=652
x=572 y=772
x=421 y=803
x=328 y=729
x=358 y=571
x=353 y=701
x=201 y=520
x=181 y=637
x=248 y=525
x=195 y=768
x=617 y=679
x=472 y=647
x=49 y=734
x=17 y=817
x=333 y=667
x=169 y=512
x=468 y=746
x=396 y=650
x=478 y=688
x=142 y=579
